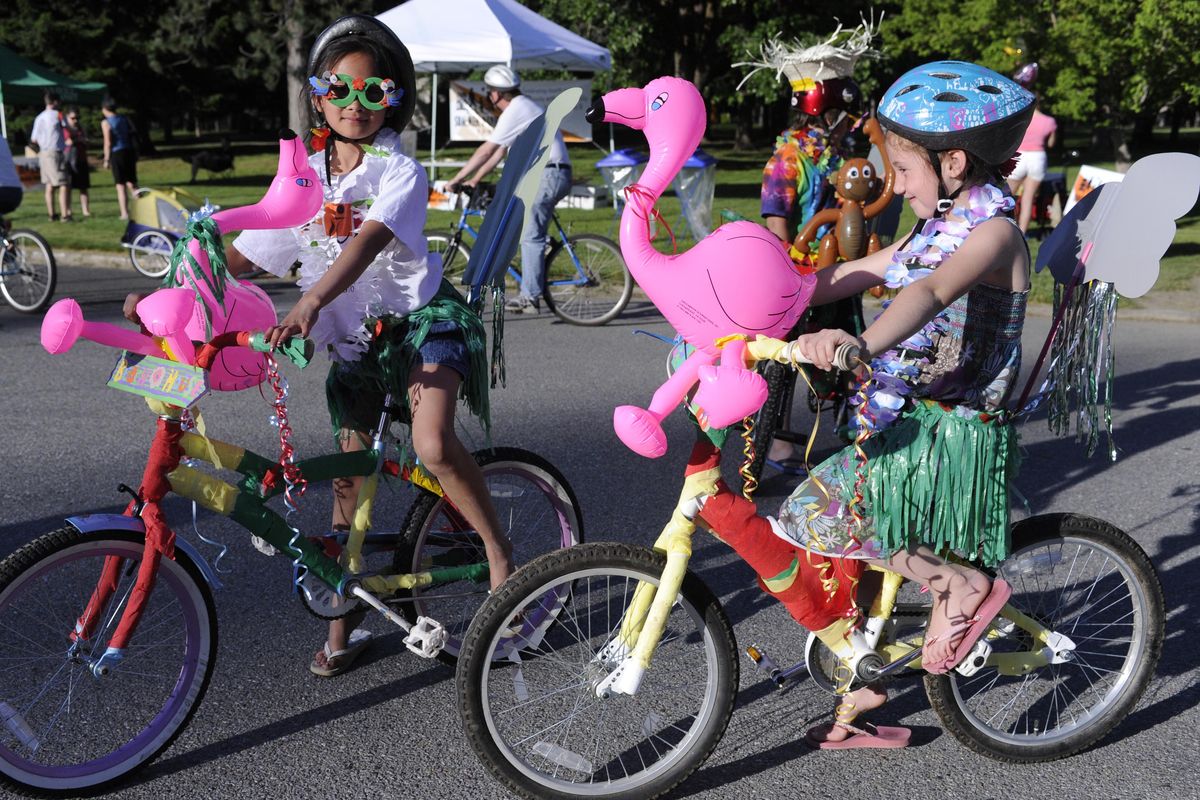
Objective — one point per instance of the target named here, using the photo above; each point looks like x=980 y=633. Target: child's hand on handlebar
x=130 y=308
x=298 y=322
x=820 y=347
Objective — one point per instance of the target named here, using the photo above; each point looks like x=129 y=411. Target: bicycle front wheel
x=28 y=272
x=1087 y=580
x=534 y=717
x=64 y=728
x=454 y=257
x=591 y=287
x=538 y=512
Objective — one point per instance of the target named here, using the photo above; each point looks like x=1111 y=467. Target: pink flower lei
x=941 y=236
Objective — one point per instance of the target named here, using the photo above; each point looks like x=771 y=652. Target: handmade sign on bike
x=739 y=281
x=159 y=379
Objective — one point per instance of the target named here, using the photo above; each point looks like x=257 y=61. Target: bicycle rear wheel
x=28 y=272
x=454 y=256
x=534 y=718
x=150 y=252
x=1085 y=579
x=538 y=512
x=593 y=287
x=63 y=729
x=781 y=381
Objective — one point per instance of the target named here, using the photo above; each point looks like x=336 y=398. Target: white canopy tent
x=462 y=35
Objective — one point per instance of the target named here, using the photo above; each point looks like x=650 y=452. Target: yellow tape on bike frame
x=211 y=493
x=215 y=452
x=352 y=559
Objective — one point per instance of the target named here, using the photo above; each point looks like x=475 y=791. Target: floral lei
x=884 y=393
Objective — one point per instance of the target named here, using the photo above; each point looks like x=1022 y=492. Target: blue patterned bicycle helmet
x=948 y=105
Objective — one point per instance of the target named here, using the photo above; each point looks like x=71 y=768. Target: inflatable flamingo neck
x=671 y=113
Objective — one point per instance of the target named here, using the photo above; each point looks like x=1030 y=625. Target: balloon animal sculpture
x=864 y=194
x=176 y=318
x=739 y=281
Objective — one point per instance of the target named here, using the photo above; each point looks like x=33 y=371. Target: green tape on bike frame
x=265 y=523
x=472 y=573
x=328 y=467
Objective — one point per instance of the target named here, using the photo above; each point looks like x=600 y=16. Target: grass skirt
x=938 y=476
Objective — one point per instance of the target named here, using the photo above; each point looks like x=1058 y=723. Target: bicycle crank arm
x=426 y=638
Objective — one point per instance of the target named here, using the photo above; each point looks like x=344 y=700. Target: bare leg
x=85 y=203
x=859 y=701
x=1029 y=197
x=49 y=201
x=64 y=201
x=433 y=395
x=122 y=202
x=957 y=593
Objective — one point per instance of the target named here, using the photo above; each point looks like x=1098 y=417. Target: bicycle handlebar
x=297 y=349
x=846 y=356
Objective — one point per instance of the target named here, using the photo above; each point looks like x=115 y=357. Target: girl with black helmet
x=371 y=294
x=928 y=471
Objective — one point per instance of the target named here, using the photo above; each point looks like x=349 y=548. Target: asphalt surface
x=269 y=729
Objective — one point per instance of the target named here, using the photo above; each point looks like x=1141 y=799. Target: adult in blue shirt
x=120 y=153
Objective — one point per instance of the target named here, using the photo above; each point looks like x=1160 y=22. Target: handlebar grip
x=297 y=349
x=846 y=356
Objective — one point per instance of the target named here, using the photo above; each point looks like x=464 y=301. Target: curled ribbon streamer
x=749 y=482
x=648 y=199
x=294 y=482
x=188 y=423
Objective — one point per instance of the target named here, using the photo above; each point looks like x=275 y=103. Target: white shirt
x=47 y=131
x=515 y=118
x=387 y=187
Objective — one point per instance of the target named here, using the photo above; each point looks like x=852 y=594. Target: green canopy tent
x=22 y=81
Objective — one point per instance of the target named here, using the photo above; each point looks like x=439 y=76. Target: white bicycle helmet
x=502 y=78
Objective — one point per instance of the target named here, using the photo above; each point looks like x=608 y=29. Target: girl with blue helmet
x=929 y=470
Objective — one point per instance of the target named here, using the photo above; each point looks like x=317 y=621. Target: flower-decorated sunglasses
x=375 y=94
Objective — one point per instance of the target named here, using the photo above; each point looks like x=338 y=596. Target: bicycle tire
x=150 y=253
x=780 y=379
x=697 y=656
x=34 y=274
x=115 y=723
x=454 y=257
x=600 y=293
x=1131 y=590
x=537 y=508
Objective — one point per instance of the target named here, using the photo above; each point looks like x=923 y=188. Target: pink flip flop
x=978 y=624
x=881 y=737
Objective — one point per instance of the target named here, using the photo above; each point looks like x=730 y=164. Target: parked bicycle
x=587 y=282
x=632 y=689
x=28 y=271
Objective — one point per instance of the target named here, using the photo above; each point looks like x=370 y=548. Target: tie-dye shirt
x=795 y=181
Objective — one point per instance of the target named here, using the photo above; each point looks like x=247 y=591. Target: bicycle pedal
x=426 y=638
x=765 y=664
x=975 y=660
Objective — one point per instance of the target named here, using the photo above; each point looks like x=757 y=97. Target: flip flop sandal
x=339 y=661
x=881 y=737
x=976 y=626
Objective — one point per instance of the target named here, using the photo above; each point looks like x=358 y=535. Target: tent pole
x=433 y=132
x=3 y=119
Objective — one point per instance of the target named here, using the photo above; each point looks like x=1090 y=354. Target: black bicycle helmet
x=380 y=34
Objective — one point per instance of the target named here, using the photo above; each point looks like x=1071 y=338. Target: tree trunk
x=298 y=119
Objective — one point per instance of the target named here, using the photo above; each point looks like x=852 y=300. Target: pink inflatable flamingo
x=737 y=281
x=174 y=315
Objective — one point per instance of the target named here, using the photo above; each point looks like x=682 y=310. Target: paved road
x=268 y=729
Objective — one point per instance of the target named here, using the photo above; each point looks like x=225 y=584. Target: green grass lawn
x=738 y=179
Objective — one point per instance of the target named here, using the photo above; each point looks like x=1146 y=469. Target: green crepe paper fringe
x=205 y=232
x=940 y=479
x=1082 y=354
x=385 y=367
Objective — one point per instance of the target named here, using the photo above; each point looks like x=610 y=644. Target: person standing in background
x=120 y=153
x=79 y=172
x=1040 y=136
x=516 y=113
x=47 y=136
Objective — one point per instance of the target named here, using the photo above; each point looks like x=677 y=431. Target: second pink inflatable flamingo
x=178 y=317
x=737 y=281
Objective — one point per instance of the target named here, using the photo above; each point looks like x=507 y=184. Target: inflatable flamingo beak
x=624 y=106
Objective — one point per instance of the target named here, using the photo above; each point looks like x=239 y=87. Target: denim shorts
x=356 y=398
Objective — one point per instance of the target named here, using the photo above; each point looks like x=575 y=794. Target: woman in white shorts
x=1031 y=163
